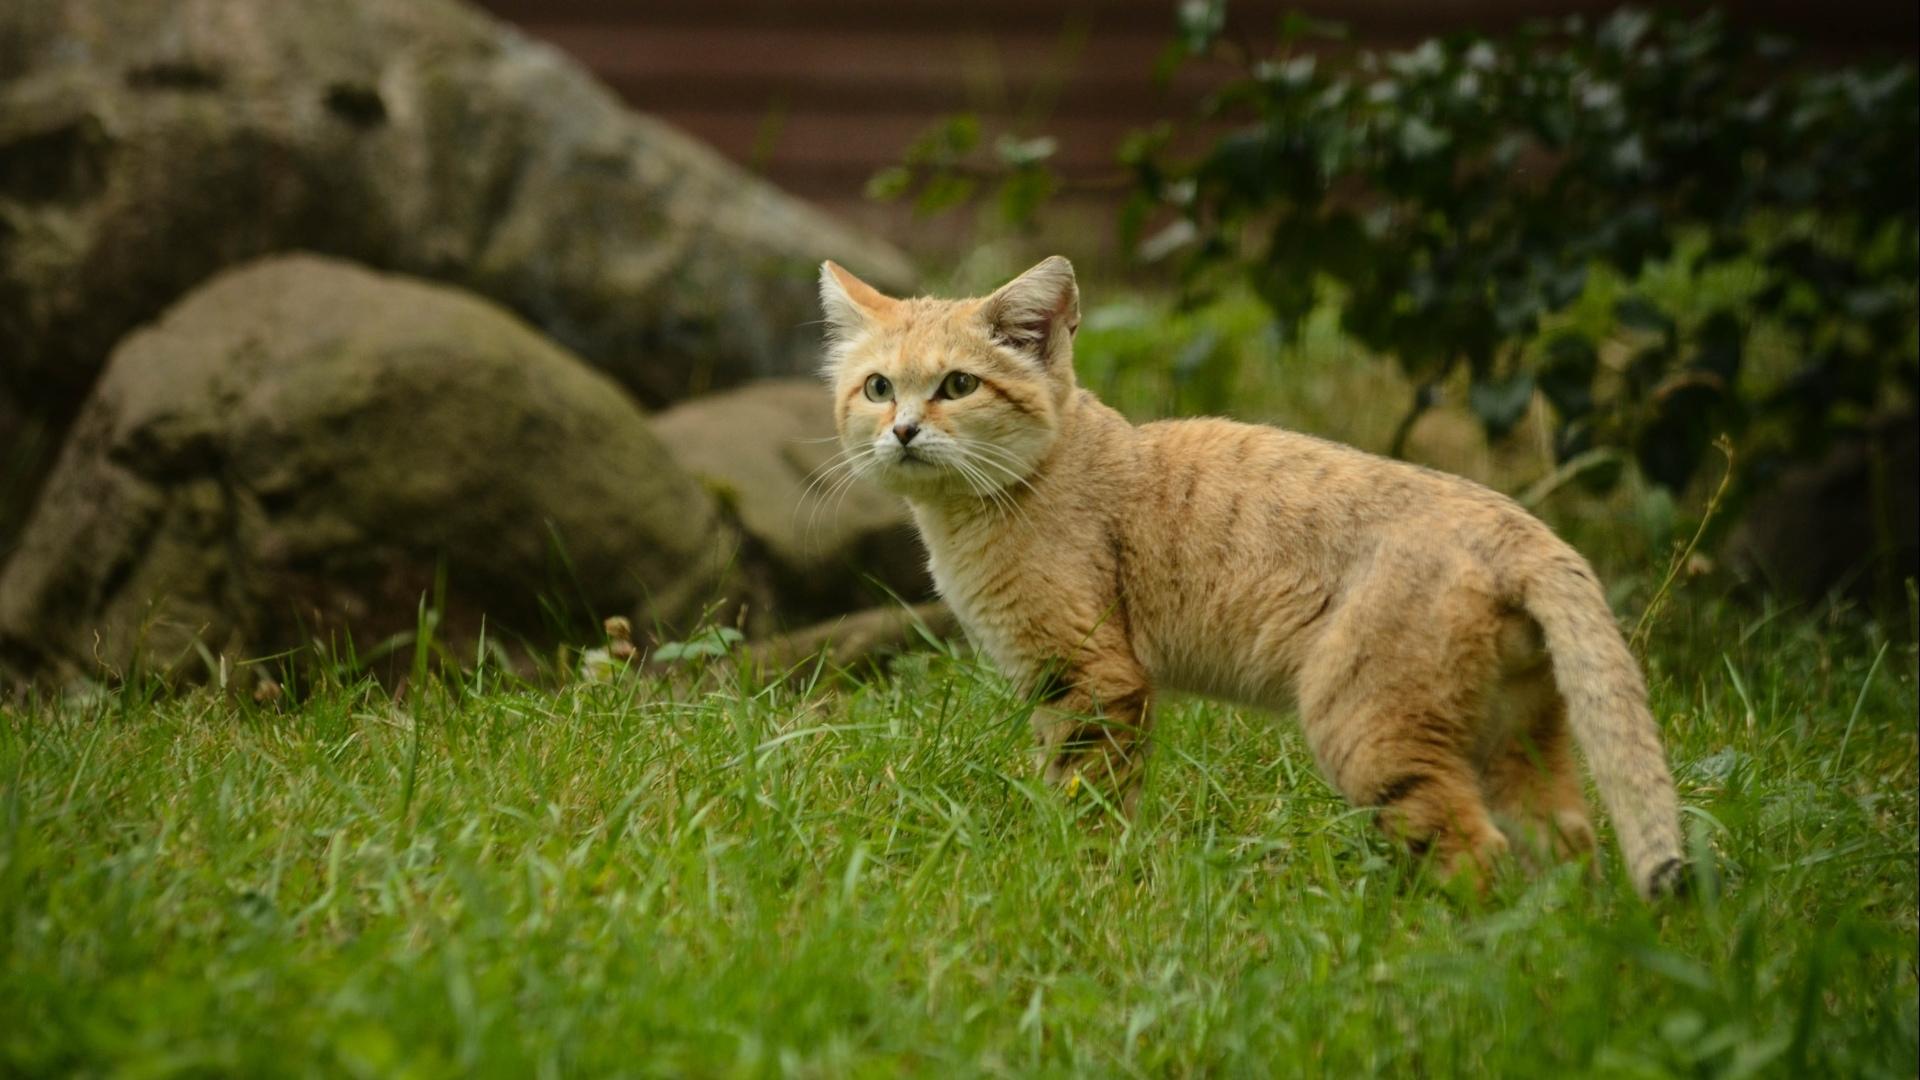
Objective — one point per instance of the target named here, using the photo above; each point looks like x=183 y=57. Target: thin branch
x=1573 y=469
x=1644 y=627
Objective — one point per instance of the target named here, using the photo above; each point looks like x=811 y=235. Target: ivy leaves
x=1458 y=197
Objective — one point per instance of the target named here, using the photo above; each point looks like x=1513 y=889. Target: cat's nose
x=905 y=432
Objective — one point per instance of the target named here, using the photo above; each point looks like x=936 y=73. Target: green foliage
x=705 y=878
x=712 y=642
x=1462 y=199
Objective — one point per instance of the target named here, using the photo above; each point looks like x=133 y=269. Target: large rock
x=26 y=449
x=1848 y=523
x=302 y=447
x=827 y=542
x=145 y=146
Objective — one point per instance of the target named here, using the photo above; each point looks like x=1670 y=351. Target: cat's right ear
x=849 y=303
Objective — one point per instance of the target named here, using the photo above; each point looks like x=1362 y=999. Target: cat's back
x=1215 y=500
x=1210 y=468
x=1251 y=531
x=1205 y=463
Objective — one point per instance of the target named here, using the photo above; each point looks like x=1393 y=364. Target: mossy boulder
x=302 y=449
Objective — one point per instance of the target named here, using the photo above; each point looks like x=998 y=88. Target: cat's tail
x=1607 y=709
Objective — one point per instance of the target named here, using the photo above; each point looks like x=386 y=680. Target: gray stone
x=145 y=146
x=302 y=447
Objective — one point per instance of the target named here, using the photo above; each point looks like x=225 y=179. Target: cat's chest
x=995 y=591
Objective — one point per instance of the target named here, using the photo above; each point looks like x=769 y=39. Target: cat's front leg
x=1092 y=724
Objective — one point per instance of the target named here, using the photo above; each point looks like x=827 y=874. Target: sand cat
x=1437 y=640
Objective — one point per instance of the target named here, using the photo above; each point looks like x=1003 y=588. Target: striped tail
x=1607 y=708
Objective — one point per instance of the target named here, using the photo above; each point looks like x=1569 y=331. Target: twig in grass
x=1641 y=629
x=855 y=639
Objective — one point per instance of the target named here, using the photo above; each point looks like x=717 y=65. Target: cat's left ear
x=1037 y=312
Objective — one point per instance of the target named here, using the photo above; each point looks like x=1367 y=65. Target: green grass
x=702 y=877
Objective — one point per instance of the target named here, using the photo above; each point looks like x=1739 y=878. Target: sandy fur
x=1437 y=639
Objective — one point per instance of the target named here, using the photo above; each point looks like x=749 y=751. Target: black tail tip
x=1668 y=880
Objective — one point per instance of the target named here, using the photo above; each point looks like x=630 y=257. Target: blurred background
x=819 y=96
x=345 y=329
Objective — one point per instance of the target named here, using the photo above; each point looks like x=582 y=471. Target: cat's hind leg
x=1393 y=699
x=1530 y=775
x=1410 y=762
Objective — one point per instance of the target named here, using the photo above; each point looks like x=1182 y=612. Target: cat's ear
x=851 y=306
x=849 y=303
x=1036 y=313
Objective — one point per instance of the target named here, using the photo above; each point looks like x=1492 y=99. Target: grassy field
x=860 y=876
x=856 y=878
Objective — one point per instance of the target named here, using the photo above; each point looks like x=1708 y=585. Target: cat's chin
x=915 y=477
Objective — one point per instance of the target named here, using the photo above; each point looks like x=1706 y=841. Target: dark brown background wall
x=818 y=95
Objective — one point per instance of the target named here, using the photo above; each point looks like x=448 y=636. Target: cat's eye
x=879 y=388
x=958 y=384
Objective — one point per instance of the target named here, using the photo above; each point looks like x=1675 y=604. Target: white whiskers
x=991 y=474
x=975 y=459
x=834 y=478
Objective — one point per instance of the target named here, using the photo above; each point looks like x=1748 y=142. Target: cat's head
x=950 y=397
